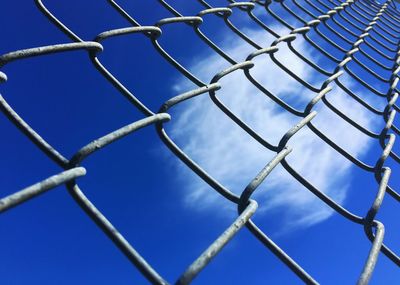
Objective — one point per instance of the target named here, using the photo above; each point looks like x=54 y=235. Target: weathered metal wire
x=361 y=25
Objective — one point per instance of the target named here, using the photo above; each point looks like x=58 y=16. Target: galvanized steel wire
x=378 y=27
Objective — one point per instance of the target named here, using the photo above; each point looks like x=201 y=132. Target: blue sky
x=164 y=210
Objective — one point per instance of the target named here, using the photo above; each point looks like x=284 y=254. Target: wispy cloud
x=231 y=156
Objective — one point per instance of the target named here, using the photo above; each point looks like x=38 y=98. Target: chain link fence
x=378 y=28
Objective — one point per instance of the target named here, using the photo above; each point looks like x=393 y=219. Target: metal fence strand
x=37 y=189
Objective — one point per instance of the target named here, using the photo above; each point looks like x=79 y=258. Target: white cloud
x=231 y=156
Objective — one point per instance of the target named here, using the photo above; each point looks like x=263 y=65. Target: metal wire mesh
x=365 y=17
